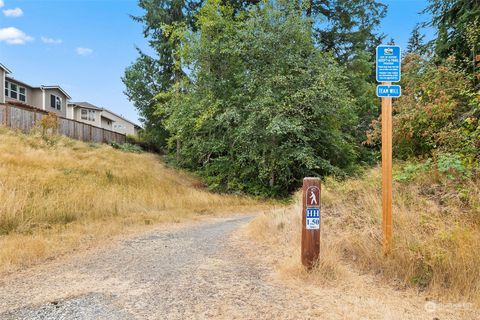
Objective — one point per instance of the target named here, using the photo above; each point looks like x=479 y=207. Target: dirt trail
x=204 y=271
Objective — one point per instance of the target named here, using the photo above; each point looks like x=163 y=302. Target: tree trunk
x=272 y=180
x=178 y=149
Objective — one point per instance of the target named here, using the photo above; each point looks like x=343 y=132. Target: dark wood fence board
x=3 y=118
x=26 y=118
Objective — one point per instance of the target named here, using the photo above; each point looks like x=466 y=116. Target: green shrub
x=438 y=113
x=451 y=165
x=127 y=147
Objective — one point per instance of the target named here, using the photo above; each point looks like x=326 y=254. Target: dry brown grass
x=436 y=233
x=57 y=195
x=280 y=231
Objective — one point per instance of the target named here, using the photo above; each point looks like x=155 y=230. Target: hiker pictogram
x=313 y=196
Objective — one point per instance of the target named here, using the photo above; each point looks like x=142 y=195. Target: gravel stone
x=199 y=271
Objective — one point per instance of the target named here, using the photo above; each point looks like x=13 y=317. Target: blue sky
x=85 y=45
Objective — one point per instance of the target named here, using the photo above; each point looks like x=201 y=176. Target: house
x=88 y=113
x=49 y=98
x=118 y=123
x=85 y=112
x=54 y=99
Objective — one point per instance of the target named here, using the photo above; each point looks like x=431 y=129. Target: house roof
x=88 y=105
x=41 y=87
x=107 y=117
x=5 y=68
x=58 y=88
x=119 y=116
x=85 y=105
x=20 y=82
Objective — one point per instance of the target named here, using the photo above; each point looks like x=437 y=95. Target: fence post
x=311 y=221
x=7 y=116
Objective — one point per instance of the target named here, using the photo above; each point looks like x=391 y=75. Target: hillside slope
x=58 y=194
x=436 y=233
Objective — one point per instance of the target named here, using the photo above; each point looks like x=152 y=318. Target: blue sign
x=389 y=91
x=313 y=219
x=388 y=63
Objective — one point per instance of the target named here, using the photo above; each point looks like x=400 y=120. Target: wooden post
x=387 y=173
x=311 y=221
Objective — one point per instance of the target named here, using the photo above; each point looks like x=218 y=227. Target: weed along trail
x=200 y=270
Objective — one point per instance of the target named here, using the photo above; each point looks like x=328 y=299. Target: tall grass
x=436 y=233
x=55 y=192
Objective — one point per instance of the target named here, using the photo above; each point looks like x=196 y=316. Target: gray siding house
x=49 y=98
x=85 y=112
x=55 y=99
x=102 y=117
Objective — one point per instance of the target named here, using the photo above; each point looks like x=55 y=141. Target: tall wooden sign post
x=387 y=173
x=310 y=221
x=388 y=69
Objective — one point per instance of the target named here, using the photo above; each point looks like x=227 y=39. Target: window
x=22 y=94
x=55 y=102
x=119 y=126
x=15 y=92
x=88 y=114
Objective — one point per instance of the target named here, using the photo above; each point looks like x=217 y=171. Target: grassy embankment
x=436 y=234
x=58 y=195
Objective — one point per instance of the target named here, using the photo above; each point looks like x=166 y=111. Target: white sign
x=313 y=219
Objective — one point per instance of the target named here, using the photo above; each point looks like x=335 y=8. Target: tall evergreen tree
x=415 y=43
x=149 y=75
x=347 y=28
x=455 y=36
x=349 y=25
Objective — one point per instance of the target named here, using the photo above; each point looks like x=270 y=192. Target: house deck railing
x=25 y=118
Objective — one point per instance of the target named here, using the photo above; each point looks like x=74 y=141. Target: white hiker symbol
x=313 y=198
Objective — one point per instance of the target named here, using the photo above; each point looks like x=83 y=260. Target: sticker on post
x=313 y=196
x=394 y=91
x=313 y=219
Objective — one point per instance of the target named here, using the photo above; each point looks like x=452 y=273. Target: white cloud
x=1 y=3
x=84 y=51
x=13 y=35
x=17 y=12
x=51 y=40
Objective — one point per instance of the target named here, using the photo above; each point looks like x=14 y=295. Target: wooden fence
x=25 y=118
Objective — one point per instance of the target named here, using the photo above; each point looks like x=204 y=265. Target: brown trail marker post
x=310 y=221
x=388 y=69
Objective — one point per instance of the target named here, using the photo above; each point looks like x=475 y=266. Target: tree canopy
x=262 y=107
x=252 y=94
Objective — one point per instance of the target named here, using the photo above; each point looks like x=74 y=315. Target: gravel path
x=202 y=271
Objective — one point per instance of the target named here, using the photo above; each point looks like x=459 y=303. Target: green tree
x=346 y=27
x=457 y=23
x=415 y=42
x=142 y=84
x=263 y=107
x=437 y=113
x=149 y=75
